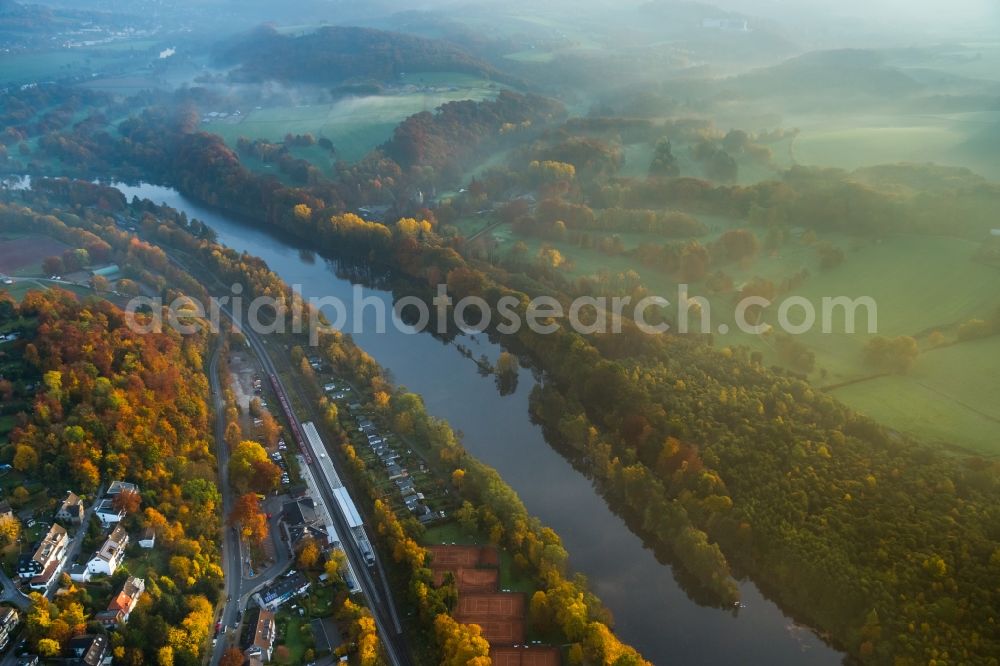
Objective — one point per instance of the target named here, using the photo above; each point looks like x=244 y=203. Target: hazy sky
x=927 y=12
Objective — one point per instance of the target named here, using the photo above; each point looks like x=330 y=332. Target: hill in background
x=335 y=54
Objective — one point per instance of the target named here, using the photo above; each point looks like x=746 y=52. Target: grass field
x=918 y=283
x=38 y=67
x=22 y=287
x=950 y=397
x=355 y=125
x=853 y=147
x=531 y=55
x=21 y=254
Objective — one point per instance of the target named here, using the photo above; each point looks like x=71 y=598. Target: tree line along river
x=651 y=610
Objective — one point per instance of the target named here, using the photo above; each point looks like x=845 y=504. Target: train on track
x=292 y=421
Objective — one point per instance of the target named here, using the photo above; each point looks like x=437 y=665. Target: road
x=238 y=588
x=11 y=594
x=379 y=600
x=73 y=549
x=231 y=554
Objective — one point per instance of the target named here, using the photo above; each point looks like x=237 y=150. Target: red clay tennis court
x=471 y=581
x=497 y=631
x=532 y=656
x=491 y=605
x=454 y=557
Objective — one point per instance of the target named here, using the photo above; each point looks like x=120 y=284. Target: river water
x=651 y=610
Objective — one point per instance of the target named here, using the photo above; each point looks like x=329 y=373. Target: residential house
x=123 y=604
x=90 y=650
x=27 y=516
x=71 y=510
x=263 y=638
x=5 y=510
x=79 y=573
x=8 y=622
x=148 y=538
x=301 y=520
x=106 y=560
x=405 y=486
x=44 y=565
x=280 y=591
x=107 y=510
x=118 y=487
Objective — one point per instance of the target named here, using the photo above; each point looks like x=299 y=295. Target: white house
x=106 y=560
x=105 y=508
x=79 y=573
x=107 y=513
x=117 y=487
x=47 y=562
x=148 y=538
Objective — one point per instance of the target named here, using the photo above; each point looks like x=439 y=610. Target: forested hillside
x=119 y=405
x=335 y=54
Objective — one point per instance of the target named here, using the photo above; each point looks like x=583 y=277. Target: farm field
x=22 y=287
x=37 y=67
x=355 y=125
x=861 y=146
x=912 y=281
x=950 y=397
x=22 y=254
x=531 y=55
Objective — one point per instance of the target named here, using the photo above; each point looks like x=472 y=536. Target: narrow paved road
x=73 y=550
x=232 y=567
x=11 y=594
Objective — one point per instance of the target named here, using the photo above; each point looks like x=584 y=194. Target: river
x=651 y=610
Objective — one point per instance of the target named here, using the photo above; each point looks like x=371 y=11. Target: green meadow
x=918 y=283
x=355 y=125
x=860 y=146
x=951 y=397
x=38 y=67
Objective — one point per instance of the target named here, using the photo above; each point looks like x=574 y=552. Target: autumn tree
x=461 y=644
x=127 y=501
x=25 y=458
x=896 y=355
x=231 y=657
x=251 y=520
x=250 y=468
x=269 y=429
x=308 y=555
x=10 y=529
